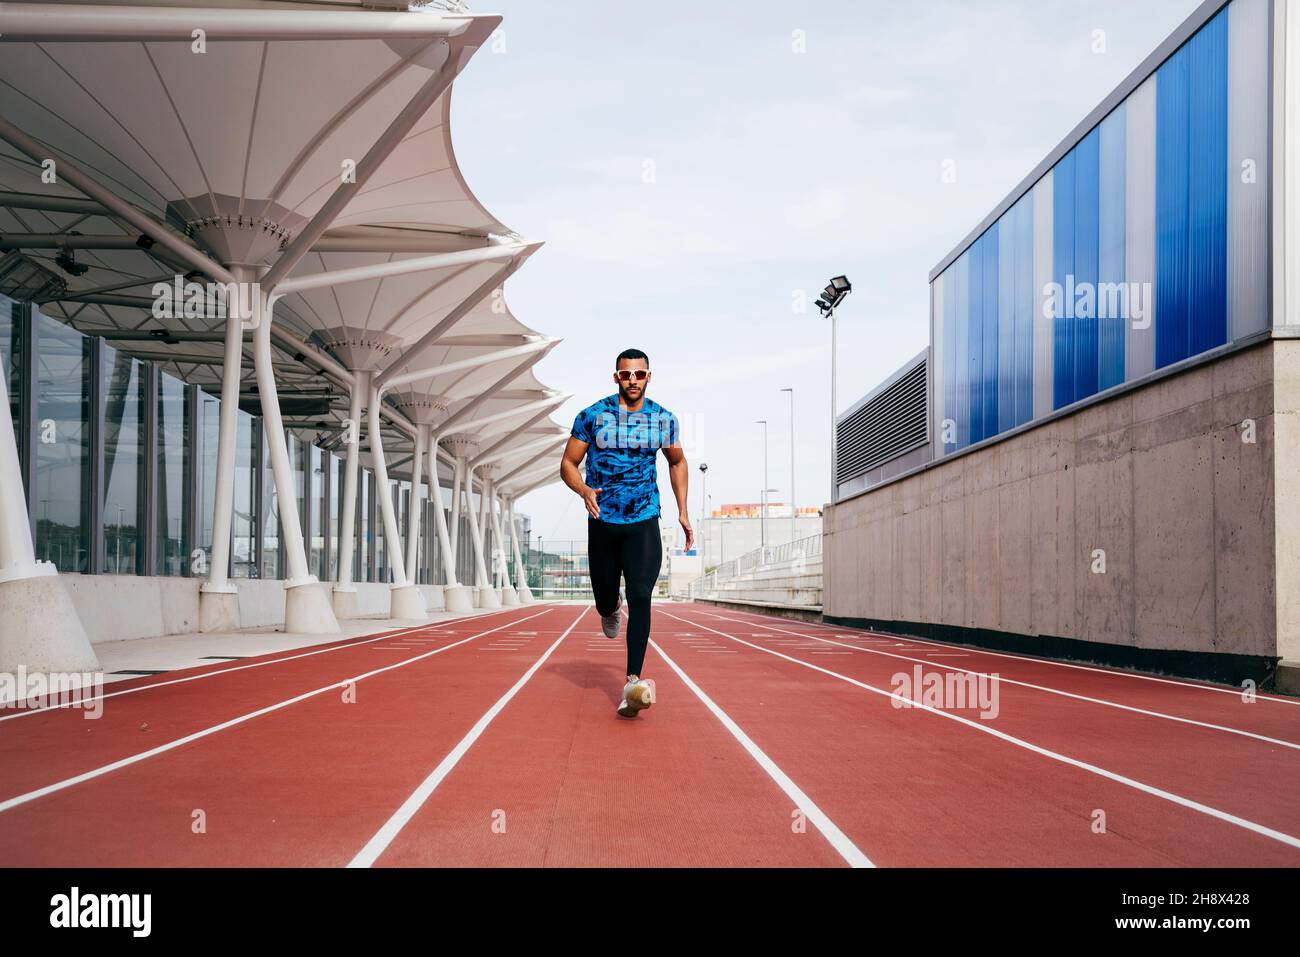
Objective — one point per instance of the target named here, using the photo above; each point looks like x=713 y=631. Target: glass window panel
x=173 y=490
x=62 y=493
x=244 y=550
x=124 y=458
x=270 y=517
x=208 y=432
x=319 y=513
x=11 y=354
x=363 y=527
x=336 y=486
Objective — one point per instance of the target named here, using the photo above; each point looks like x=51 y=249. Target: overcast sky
x=694 y=169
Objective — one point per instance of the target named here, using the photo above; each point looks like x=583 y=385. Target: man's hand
x=589 y=497
x=690 y=533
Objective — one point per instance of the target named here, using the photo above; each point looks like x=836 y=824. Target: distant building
x=736 y=528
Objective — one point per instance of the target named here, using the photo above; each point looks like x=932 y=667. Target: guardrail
x=791 y=554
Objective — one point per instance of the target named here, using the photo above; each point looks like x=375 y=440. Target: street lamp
x=832 y=296
x=792 y=506
x=704 y=512
x=762 y=527
x=766 y=493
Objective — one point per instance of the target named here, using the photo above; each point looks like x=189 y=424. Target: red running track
x=492 y=741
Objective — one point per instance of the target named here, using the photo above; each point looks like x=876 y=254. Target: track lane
x=914 y=788
x=302 y=786
x=1133 y=744
x=558 y=780
x=1268 y=715
x=57 y=744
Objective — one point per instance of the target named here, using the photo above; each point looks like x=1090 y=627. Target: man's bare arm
x=573 y=453
x=679 y=473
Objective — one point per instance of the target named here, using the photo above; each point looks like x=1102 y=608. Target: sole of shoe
x=641 y=697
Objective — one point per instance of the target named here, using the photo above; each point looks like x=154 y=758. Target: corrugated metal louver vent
x=890 y=424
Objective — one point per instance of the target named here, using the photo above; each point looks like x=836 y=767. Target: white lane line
x=1235 y=692
x=1064 y=694
x=206 y=732
x=834 y=836
x=402 y=816
x=225 y=671
x=1279 y=836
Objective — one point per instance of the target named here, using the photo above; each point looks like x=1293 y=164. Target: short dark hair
x=631 y=354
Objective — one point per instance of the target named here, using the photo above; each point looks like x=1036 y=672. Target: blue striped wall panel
x=961 y=357
x=975 y=344
x=1024 y=302
x=1007 y=321
x=1063 y=265
x=990 y=375
x=1172 y=146
x=1112 y=292
x=1208 y=186
x=950 y=361
x=1087 y=172
x=1142 y=199
x=1192 y=196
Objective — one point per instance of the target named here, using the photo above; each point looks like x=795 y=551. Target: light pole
x=704 y=513
x=832 y=296
x=792 y=505
x=766 y=493
x=762 y=527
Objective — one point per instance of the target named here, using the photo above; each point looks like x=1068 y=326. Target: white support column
x=218 y=596
x=482 y=517
x=509 y=597
x=405 y=600
x=40 y=629
x=509 y=531
x=413 y=520
x=487 y=594
x=345 y=592
x=307 y=607
x=455 y=596
x=521 y=573
x=455 y=505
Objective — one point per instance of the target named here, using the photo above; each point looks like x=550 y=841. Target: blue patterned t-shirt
x=621 y=455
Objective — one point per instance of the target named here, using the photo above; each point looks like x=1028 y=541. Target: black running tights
x=635 y=552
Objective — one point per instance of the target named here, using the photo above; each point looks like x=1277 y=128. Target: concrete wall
x=1286 y=444
x=117 y=607
x=1003 y=538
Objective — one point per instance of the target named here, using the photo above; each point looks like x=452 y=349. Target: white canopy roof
x=235 y=137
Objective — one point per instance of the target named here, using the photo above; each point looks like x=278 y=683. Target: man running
x=620 y=435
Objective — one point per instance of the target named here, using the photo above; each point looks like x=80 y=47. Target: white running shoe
x=610 y=623
x=638 y=694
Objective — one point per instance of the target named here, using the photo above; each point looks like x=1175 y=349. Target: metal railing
x=560 y=569
x=790 y=552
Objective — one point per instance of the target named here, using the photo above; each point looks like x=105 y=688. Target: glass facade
x=207 y=431
x=319 y=496
x=172 y=554
x=335 y=469
x=270 y=517
x=1144 y=245
x=11 y=328
x=121 y=460
x=62 y=492
x=363 y=550
x=245 y=550
x=124 y=464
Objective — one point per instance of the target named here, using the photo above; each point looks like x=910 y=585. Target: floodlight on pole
x=832 y=296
